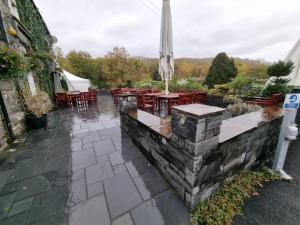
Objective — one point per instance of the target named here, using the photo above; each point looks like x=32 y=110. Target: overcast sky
x=243 y=28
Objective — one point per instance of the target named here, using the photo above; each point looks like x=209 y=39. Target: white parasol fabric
x=166 y=61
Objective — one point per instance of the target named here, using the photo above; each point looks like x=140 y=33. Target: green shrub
x=279 y=84
x=194 y=86
x=220 y=90
x=240 y=108
x=222 y=70
x=224 y=205
x=12 y=64
x=276 y=89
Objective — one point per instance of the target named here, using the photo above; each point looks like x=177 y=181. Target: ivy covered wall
x=40 y=41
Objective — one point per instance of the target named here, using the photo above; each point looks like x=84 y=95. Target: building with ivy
x=23 y=30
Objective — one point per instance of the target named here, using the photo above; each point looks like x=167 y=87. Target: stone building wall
x=15 y=110
x=196 y=158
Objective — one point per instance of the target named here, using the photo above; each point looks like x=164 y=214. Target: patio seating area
x=157 y=102
x=83 y=170
x=78 y=99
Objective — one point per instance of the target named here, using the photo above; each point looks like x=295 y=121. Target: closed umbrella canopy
x=166 y=62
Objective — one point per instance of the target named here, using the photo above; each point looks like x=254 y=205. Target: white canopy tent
x=294 y=56
x=76 y=83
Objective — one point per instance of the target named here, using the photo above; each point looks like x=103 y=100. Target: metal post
x=167 y=86
x=283 y=143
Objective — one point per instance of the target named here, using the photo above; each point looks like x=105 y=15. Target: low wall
x=15 y=112
x=196 y=151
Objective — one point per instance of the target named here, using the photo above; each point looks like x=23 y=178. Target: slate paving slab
x=78 y=191
x=91 y=212
x=91 y=138
x=15 y=220
x=119 y=168
x=58 y=177
x=138 y=166
x=4 y=176
x=56 y=163
x=32 y=186
x=150 y=184
x=27 y=168
x=98 y=172
x=9 y=188
x=95 y=189
x=6 y=203
x=58 y=219
x=48 y=203
x=104 y=147
x=121 y=194
x=164 y=209
x=83 y=159
x=123 y=220
x=20 y=206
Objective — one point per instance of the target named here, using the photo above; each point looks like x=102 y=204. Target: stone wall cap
x=239 y=125
x=198 y=110
x=159 y=125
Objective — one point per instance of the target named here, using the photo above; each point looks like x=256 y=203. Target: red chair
x=61 y=99
x=200 y=97
x=93 y=97
x=70 y=100
x=274 y=100
x=142 y=104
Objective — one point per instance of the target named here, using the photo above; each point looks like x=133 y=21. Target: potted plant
x=37 y=107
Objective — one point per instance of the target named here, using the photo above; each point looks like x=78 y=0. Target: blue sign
x=293 y=98
x=292 y=101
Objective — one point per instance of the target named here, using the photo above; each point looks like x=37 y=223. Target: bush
x=194 y=86
x=241 y=108
x=279 y=84
x=37 y=105
x=224 y=205
x=222 y=70
x=220 y=90
x=276 y=89
x=232 y=99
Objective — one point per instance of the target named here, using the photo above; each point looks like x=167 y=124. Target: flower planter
x=34 y=122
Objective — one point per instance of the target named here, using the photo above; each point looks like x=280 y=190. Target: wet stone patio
x=83 y=170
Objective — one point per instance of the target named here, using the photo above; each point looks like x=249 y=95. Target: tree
x=279 y=83
x=222 y=70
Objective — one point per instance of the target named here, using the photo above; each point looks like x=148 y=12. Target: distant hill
x=199 y=66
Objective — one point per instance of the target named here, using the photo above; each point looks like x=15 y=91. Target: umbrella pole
x=167 y=86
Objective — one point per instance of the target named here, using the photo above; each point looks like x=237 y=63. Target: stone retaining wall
x=196 y=158
x=14 y=109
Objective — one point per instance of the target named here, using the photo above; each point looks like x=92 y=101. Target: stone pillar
x=194 y=142
x=127 y=102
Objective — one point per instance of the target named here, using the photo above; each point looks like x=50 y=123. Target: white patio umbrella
x=166 y=61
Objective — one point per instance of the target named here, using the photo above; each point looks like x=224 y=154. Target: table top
x=153 y=94
x=170 y=96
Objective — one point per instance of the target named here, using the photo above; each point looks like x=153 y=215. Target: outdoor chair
x=81 y=101
x=70 y=100
x=200 y=97
x=93 y=97
x=274 y=100
x=61 y=99
x=144 y=105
